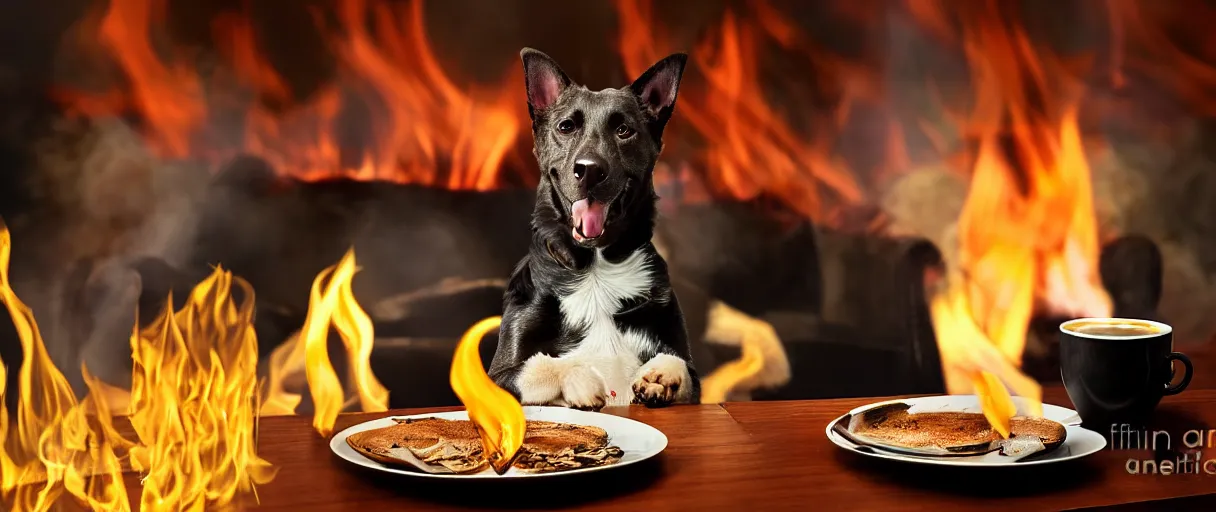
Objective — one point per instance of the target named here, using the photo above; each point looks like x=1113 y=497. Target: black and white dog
x=589 y=315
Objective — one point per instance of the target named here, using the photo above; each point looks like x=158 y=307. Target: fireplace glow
x=1028 y=235
x=424 y=129
x=750 y=148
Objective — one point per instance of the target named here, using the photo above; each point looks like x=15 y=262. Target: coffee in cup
x=1116 y=370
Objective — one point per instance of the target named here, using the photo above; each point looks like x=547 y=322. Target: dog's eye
x=565 y=126
x=624 y=131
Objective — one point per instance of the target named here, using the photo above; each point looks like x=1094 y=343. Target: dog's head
x=597 y=149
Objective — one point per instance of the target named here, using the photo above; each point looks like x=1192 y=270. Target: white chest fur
x=590 y=304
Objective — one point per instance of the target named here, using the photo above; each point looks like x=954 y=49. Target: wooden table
x=741 y=456
x=758 y=456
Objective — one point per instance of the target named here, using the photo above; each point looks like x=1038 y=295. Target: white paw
x=584 y=388
x=662 y=381
x=540 y=380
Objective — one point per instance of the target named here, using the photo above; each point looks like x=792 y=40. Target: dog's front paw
x=540 y=380
x=661 y=381
x=584 y=388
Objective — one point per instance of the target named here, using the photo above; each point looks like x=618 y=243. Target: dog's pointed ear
x=544 y=79
x=658 y=86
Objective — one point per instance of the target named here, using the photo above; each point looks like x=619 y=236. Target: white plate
x=639 y=441
x=1079 y=443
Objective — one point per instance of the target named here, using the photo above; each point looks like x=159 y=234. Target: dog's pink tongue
x=590 y=216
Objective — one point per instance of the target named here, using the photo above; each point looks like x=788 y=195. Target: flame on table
x=194 y=394
x=724 y=379
x=331 y=303
x=192 y=408
x=496 y=413
x=762 y=362
x=54 y=444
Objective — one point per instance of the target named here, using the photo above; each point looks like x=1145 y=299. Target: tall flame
x=331 y=303
x=496 y=413
x=194 y=395
x=55 y=444
x=1028 y=237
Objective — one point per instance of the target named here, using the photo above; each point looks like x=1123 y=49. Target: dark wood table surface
x=760 y=455
x=748 y=456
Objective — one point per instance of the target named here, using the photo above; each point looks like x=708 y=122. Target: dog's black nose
x=589 y=171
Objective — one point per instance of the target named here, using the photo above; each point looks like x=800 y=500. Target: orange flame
x=750 y=148
x=335 y=306
x=1027 y=233
x=496 y=413
x=716 y=387
x=168 y=95
x=424 y=129
x=1155 y=28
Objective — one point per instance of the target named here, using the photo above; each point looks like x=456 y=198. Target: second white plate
x=1079 y=443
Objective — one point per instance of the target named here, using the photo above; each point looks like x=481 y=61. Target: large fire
x=55 y=449
x=1028 y=236
x=193 y=410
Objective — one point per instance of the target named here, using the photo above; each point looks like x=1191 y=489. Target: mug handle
x=1186 y=377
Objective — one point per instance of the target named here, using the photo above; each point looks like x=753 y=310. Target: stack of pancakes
x=456 y=445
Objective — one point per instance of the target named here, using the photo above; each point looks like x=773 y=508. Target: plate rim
x=339 y=440
x=846 y=445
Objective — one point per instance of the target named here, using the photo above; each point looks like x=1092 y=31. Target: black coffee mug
x=1116 y=370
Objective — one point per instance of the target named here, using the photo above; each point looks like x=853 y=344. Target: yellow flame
x=972 y=363
x=717 y=385
x=497 y=414
x=194 y=399
x=762 y=362
x=54 y=445
x=286 y=360
x=331 y=303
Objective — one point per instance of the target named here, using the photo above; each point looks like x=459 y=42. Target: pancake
x=550 y=446
x=895 y=426
x=455 y=445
